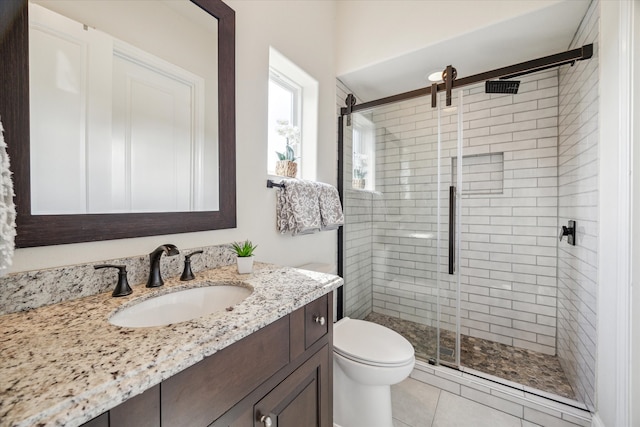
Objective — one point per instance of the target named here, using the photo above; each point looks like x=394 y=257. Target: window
x=363 y=169
x=292 y=117
x=284 y=119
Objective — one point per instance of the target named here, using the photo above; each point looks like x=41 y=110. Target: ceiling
x=543 y=32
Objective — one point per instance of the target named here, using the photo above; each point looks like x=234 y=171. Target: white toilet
x=367 y=359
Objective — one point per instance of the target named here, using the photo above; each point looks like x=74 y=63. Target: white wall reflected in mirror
x=123 y=126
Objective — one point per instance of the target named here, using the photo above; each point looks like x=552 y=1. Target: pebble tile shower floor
x=530 y=368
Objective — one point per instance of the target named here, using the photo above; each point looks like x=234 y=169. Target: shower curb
x=517 y=400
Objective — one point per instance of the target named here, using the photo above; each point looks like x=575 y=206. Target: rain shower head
x=501 y=86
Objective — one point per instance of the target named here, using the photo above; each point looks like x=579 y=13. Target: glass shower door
x=396 y=234
x=450 y=165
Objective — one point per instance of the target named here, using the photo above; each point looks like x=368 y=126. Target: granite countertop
x=64 y=364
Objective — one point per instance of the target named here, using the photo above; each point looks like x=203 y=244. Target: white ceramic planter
x=245 y=264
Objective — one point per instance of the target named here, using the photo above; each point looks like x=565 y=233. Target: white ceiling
x=537 y=34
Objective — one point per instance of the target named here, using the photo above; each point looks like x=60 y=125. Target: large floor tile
x=414 y=403
x=456 y=411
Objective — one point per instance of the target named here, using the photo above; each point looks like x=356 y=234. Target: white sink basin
x=180 y=306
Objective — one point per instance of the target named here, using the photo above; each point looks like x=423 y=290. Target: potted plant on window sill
x=286 y=164
x=244 y=261
x=358 y=180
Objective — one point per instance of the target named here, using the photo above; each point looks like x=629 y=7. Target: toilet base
x=358 y=405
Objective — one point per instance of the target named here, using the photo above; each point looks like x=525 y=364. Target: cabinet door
x=302 y=399
x=199 y=395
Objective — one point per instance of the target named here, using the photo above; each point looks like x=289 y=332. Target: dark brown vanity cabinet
x=299 y=399
x=279 y=376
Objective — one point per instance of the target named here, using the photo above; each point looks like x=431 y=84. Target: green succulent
x=289 y=154
x=244 y=249
x=359 y=173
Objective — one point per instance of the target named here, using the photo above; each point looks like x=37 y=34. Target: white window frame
x=288 y=74
x=291 y=86
x=366 y=131
x=295 y=90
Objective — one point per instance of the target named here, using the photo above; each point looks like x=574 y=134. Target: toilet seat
x=371 y=344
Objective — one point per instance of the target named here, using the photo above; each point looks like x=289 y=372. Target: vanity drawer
x=307 y=326
x=142 y=410
x=208 y=389
x=316 y=320
x=99 y=421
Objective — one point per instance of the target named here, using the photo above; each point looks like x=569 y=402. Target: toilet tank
x=320 y=267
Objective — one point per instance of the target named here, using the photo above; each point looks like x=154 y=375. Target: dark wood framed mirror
x=42 y=230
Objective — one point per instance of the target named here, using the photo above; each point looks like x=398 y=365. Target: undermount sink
x=180 y=306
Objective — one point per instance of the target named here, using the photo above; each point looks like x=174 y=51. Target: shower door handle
x=452 y=228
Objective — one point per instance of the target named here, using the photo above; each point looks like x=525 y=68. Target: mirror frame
x=43 y=230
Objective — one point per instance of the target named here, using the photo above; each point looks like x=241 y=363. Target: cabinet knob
x=319 y=320
x=266 y=421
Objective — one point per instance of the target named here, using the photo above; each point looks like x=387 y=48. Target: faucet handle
x=122 y=287
x=187 y=274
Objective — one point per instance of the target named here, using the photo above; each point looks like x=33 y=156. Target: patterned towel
x=298 y=210
x=330 y=207
x=7 y=209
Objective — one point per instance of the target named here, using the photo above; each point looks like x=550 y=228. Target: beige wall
x=304 y=32
x=374 y=31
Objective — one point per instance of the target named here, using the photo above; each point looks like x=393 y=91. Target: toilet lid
x=371 y=343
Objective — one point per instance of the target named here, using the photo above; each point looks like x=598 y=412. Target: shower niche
x=481 y=174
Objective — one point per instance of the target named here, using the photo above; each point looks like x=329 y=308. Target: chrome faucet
x=155 y=279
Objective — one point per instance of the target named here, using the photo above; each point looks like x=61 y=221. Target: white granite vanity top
x=63 y=364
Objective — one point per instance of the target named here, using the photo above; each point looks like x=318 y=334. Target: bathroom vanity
x=268 y=361
x=281 y=372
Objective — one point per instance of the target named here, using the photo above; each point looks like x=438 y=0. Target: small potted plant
x=244 y=250
x=286 y=164
x=359 y=178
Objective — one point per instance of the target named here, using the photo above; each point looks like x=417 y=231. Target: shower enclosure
x=451 y=228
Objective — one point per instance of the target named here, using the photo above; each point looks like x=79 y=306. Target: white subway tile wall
x=508 y=207
x=578 y=200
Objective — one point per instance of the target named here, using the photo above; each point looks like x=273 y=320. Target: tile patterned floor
x=416 y=404
x=522 y=366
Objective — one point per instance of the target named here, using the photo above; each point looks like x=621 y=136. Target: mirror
x=123 y=117
x=92 y=216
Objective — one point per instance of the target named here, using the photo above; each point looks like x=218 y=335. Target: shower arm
x=527 y=67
